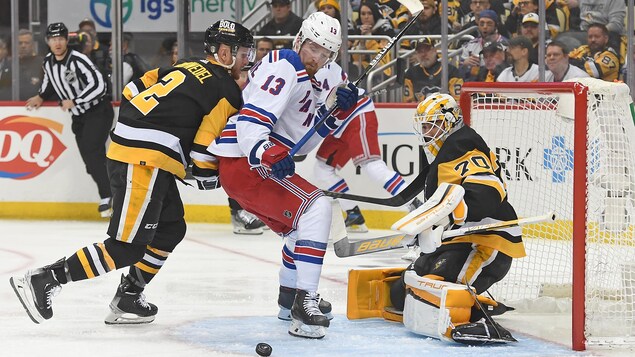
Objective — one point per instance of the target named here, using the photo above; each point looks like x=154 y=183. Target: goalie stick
x=345 y=248
x=414 y=6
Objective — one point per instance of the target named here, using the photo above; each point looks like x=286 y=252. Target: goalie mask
x=231 y=34
x=323 y=30
x=435 y=118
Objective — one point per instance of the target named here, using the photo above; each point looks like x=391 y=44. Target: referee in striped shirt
x=81 y=89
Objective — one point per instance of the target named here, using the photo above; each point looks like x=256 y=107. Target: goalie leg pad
x=436 y=211
x=433 y=307
x=481 y=332
x=369 y=293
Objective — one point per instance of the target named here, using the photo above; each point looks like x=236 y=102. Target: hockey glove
x=331 y=123
x=278 y=160
x=206 y=179
x=346 y=96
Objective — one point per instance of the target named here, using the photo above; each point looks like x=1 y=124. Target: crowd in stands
x=584 y=38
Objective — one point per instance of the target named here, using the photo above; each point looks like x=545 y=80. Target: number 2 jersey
x=465 y=159
x=172 y=114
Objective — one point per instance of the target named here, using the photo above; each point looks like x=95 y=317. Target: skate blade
x=255 y=231
x=106 y=214
x=127 y=319
x=285 y=315
x=297 y=328
x=357 y=228
x=118 y=317
x=20 y=288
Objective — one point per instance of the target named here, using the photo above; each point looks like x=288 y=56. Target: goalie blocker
x=433 y=307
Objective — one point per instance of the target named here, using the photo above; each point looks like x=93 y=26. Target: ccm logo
x=151 y=226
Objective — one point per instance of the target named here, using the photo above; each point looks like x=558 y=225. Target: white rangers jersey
x=280 y=103
x=331 y=76
x=508 y=75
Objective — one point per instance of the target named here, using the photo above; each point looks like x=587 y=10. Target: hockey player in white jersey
x=258 y=172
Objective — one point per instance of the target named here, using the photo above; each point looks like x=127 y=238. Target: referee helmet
x=56 y=29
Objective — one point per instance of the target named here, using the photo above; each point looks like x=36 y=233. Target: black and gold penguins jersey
x=465 y=159
x=170 y=116
x=419 y=82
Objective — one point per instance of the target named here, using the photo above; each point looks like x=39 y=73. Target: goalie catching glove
x=442 y=210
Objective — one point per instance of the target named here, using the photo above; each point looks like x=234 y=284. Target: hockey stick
x=400 y=199
x=345 y=248
x=414 y=6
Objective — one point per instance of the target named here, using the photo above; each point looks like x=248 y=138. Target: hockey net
x=567 y=147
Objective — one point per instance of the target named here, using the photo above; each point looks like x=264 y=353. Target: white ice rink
x=217 y=296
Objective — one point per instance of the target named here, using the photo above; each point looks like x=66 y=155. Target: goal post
x=567 y=147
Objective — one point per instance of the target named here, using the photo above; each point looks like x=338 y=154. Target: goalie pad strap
x=436 y=211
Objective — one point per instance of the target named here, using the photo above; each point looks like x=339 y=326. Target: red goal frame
x=580 y=93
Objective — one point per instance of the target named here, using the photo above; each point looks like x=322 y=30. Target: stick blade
x=345 y=248
x=413 y=6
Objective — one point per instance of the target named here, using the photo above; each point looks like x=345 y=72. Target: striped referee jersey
x=74 y=77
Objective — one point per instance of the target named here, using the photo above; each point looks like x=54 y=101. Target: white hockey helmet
x=441 y=112
x=321 y=29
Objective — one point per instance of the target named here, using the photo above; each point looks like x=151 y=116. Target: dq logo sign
x=28 y=146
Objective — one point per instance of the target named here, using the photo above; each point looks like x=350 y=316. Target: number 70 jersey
x=280 y=102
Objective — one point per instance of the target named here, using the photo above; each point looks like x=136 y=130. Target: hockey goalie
x=439 y=295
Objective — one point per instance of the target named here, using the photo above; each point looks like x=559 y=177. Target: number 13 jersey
x=280 y=100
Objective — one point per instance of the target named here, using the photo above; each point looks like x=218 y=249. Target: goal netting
x=567 y=147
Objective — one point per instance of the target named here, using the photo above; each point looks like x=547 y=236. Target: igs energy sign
x=28 y=146
x=144 y=15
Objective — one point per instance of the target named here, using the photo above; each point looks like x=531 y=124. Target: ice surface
x=217 y=296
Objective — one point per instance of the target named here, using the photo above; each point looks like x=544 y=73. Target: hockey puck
x=263 y=349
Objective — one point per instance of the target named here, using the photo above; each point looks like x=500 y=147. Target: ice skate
x=129 y=306
x=36 y=290
x=413 y=253
x=246 y=223
x=355 y=222
x=306 y=318
x=285 y=302
x=105 y=207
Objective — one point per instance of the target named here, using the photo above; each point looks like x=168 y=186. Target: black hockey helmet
x=56 y=29
x=229 y=33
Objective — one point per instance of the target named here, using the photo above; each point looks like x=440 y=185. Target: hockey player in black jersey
x=438 y=295
x=166 y=121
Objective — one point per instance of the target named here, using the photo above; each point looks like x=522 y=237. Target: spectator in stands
x=263 y=47
x=425 y=78
x=30 y=65
x=86 y=43
x=395 y=12
x=495 y=58
x=428 y=22
x=371 y=22
x=5 y=71
x=475 y=6
x=522 y=8
x=610 y=13
x=284 y=23
x=529 y=29
x=521 y=70
x=99 y=54
x=557 y=60
x=455 y=14
x=133 y=65
x=164 y=56
x=597 y=58
x=470 y=58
